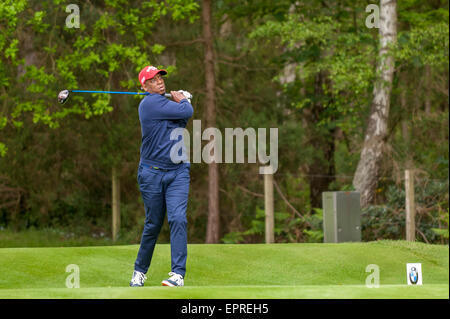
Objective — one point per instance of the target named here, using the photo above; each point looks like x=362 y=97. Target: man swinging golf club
x=164 y=184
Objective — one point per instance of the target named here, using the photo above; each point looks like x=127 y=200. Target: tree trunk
x=367 y=172
x=212 y=230
x=322 y=169
x=115 y=203
x=406 y=135
x=268 y=207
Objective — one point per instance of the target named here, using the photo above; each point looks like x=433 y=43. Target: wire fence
x=386 y=218
x=350 y=177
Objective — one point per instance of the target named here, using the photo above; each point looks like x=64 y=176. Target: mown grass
x=229 y=271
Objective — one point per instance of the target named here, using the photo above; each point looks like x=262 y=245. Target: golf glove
x=187 y=95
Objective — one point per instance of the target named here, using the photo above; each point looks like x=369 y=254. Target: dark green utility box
x=341 y=217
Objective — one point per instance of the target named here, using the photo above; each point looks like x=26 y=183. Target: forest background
x=307 y=68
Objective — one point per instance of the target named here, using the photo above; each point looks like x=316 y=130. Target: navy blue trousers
x=164 y=191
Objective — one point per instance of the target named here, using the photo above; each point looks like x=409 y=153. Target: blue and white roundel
x=413 y=276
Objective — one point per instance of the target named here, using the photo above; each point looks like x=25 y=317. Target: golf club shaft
x=117 y=92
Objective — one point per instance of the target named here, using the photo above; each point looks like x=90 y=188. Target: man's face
x=155 y=85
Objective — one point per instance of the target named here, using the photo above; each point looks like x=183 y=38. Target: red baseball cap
x=148 y=73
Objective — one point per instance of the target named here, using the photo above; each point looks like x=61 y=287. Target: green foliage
x=258 y=224
x=257 y=227
x=40 y=57
x=9 y=18
x=233 y=238
x=3 y=149
x=61 y=177
x=424 y=45
x=286 y=228
x=422 y=13
x=314 y=233
x=314 y=48
x=36 y=22
x=182 y=9
x=388 y=221
x=90 y=56
x=443 y=216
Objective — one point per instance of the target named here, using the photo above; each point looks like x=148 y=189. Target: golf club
x=63 y=96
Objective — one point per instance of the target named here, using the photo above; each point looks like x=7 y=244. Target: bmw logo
x=413 y=276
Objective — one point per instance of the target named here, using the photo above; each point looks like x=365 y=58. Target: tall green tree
x=43 y=55
x=331 y=54
x=111 y=45
x=368 y=170
x=212 y=232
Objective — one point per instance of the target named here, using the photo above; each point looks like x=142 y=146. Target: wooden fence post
x=115 y=204
x=268 y=203
x=410 y=206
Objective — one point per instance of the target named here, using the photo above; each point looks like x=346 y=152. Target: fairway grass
x=236 y=292
x=258 y=271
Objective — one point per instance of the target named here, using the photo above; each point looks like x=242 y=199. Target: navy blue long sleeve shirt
x=159 y=116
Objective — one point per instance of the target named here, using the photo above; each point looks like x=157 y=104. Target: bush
x=388 y=221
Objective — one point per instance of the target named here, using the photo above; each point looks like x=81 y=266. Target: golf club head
x=63 y=96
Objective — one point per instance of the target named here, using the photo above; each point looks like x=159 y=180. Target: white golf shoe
x=175 y=280
x=138 y=279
